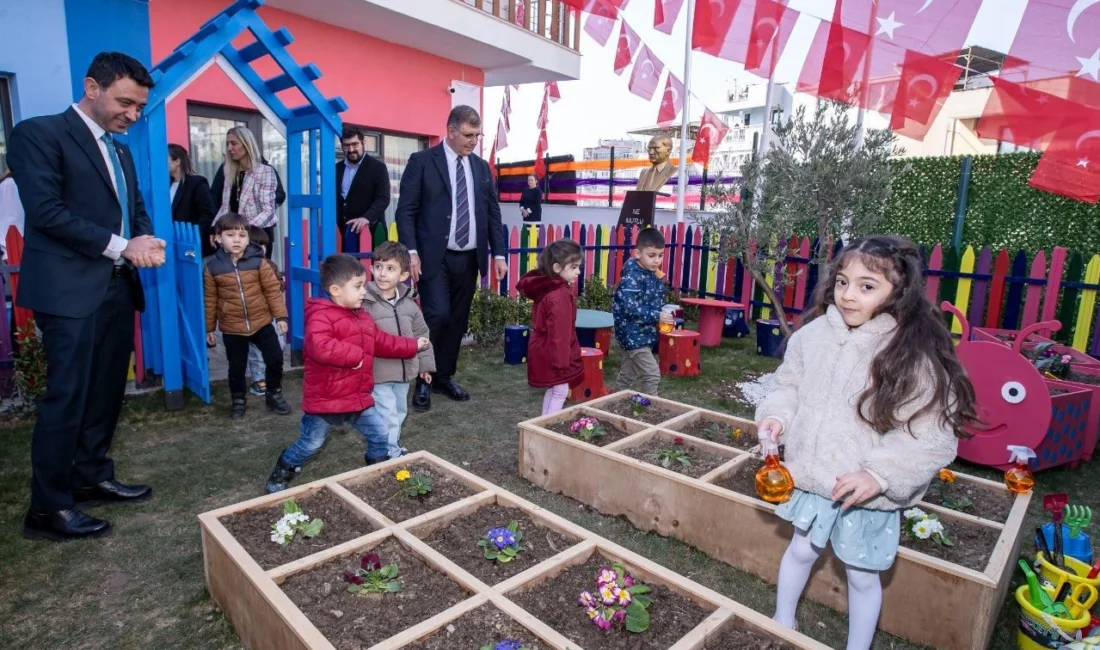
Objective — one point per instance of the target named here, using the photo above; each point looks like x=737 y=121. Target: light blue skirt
x=861 y=538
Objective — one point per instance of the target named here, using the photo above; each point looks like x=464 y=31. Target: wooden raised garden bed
x=960 y=588
x=450 y=596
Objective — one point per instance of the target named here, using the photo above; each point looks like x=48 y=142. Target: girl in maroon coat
x=554 y=354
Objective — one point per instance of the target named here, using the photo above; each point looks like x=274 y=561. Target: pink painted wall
x=387 y=87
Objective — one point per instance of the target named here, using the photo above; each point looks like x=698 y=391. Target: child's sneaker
x=237 y=410
x=399 y=454
x=281 y=476
x=367 y=460
x=258 y=388
x=276 y=402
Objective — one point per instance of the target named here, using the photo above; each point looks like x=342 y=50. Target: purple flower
x=619 y=616
x=352 y=578
x=508 y=644
x=371 y=562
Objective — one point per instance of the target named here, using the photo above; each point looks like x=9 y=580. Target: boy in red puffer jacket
x=553 y=353
x=340 y=345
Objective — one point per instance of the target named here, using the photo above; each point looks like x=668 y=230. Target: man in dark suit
x=449 y=217
x=86 y=231
x=363 y=184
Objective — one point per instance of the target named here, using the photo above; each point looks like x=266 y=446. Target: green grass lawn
x=143 y=587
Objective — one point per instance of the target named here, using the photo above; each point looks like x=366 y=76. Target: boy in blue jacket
x=637 y=309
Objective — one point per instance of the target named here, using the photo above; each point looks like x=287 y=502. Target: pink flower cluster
x=583 y=424
x=608 y=605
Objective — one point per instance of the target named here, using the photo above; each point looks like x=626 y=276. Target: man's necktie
x=462 y=206
x=120 y=183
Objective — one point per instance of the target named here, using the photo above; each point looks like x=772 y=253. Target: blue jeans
x=315 y=430
x=391 y=400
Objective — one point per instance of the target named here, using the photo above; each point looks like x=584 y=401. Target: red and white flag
x=712 y=130
x=750 y=32
x=1023 y=116
x=1058 y=44
x=628 y=45
x=601 y=21
x=553 y=91
x=1070 y=166
x=925 y=84
x=501 y=141
x=672 y=101
x=646 y=74
x=665 y=13
x=541 y=146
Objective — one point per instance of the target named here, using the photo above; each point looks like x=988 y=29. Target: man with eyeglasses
x=449 y=217
x=363 y=182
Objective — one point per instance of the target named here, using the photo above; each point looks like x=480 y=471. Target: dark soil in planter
x=989 y=503
x=354 y=621
x=702 y=460
x=740 y=638
x=252 y=529
x=747 y=440
x=743 y=480
x=1081 y=378
x=555 y=603
x=384 y=494
x=973 y=544
x=485 y=626
x=458 y=541
x=613 y=432
x=653 y=415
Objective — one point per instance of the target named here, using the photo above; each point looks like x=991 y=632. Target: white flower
x=923 y=529
x=914 y=513
x=935 y=526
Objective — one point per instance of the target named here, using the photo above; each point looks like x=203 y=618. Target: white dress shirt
x=172 y=192
x=452 y=172
x=117 y=243
x=11 y=211
x=349 y=176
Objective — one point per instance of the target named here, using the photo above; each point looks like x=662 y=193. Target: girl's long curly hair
x=921 y=342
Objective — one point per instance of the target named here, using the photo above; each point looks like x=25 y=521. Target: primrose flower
x=608 y=595
x=371 y=562
x=586 y=599
x=624 y=598
x=628 y=581
x=935 y=526
x=403 y=475
x=1066 y=358
x=508 y=644
x=678 y=440
x=587 y=423
x=914 y=513
x=923 y=528
x=639 y=400
x=606 y=576
x=602 y=623
x=501 y=538
x=737 y=434
x=947 y=476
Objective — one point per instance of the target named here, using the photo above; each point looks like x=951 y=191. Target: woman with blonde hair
x=252 y=191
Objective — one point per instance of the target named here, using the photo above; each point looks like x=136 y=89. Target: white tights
x=864 y=591
x=554 y=399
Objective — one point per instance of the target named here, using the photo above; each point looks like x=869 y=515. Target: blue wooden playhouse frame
x=173 y=327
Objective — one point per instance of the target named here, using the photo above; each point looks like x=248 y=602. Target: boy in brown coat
x=244 y=300
x=392 y=305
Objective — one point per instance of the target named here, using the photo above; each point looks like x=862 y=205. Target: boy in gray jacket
x=392 y=305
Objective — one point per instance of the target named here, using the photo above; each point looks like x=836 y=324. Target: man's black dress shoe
x=422 y=396
x=449 y=388
x=111 y=492
x=63 y=526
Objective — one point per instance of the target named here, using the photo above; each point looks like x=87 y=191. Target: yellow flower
x=737 y=434
x=947 y=476
x=402 y=475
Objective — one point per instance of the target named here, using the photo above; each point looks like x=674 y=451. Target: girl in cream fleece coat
x=870 y=397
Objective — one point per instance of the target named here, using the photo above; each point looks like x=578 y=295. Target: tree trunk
x=769 y=292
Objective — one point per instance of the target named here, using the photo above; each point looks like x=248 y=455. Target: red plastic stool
x=591 y=385
x=679 y=353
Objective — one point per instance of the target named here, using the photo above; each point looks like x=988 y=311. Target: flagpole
x=865 y=82
x=681 y=174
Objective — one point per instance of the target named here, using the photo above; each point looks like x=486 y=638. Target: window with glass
x=5 y=121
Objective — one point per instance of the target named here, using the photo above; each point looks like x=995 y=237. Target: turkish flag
x=540 y=153
x=601 y=21
x=665 y=13
x=833 y=63
x=1023 y=116
x=925 y=84
x=628 y=45
x=756 y=36
x=671 y=101
x=646 y=74
x=553 y=91
x=1059 y=45
x=1070 y=166
x=711 y=25
x=501 y=141
x=544 y=112
x=712 y=130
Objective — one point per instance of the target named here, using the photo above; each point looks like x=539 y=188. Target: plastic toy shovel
x=1040 y=599
x=1055 y=504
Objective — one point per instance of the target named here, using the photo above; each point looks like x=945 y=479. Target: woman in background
x=250 y=185
x=530 y=202
x=190 y=195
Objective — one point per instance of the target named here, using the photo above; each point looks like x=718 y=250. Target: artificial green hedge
x=1002 y=211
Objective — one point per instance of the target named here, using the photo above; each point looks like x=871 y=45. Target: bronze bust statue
x=661 y=170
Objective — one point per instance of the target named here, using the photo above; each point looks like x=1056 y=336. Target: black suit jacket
x=72 y=211
x=424 y=210
x=369 y=194
x=192 y=203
